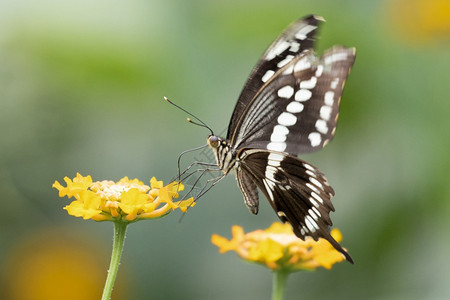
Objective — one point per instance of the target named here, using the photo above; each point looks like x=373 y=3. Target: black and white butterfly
x=288 y=106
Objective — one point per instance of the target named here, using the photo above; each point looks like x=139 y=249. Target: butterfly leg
x=197 y=179
x=196 y=163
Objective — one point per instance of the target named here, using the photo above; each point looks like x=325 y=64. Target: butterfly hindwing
x=297 y=191
x=249 y=191
x=298 y=37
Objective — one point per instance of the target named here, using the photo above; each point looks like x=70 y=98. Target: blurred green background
x=81 y=87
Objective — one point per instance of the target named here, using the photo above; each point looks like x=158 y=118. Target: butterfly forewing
x=297 y=110
x=298 y=37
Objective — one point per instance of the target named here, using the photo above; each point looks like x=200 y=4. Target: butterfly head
x=213 y=141
x=223 y=153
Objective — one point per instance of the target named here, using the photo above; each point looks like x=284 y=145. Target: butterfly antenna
x=202 y=124
x=195 y=123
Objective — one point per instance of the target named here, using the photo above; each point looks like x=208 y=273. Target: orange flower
x=278 y=248
x=127 y=200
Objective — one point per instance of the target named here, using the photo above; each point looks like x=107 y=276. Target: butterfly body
x=289 y=105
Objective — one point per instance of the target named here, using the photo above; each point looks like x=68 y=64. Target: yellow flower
x=420 y=21
x=78 y=184
x=86 y=206
x=127 y=200
x=278 y=248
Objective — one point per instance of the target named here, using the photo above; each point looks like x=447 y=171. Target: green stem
x=119 y=238
x=279 y=283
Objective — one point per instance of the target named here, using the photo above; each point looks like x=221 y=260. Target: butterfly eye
x=213 y=141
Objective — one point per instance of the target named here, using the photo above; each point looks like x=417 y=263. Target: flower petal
x=277 y=247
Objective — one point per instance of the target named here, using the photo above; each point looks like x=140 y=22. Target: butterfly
x=289 y=105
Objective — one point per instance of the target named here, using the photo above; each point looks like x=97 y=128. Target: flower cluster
x=278 y=248
x=127 y=200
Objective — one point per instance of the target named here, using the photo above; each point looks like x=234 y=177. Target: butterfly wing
x=296 y=110
x=298 y=37
x=298 y=192
x=249 y=190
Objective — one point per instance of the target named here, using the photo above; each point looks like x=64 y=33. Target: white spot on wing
x=268 y=186
x=277 y=137
x=277 y=49
x=334 y=83
x=304 y=31
x=311 y=224
x=294 y=107
x=313 y=214
x=315 y=139
x=329 y=98
x=275 y=159
x=294 y=47
x=276 y=146
x=288 y=70
x=321 y=126
x=280 y=129
x=286 y=92
x=313 y=202
x=305 y=229
x=315 y=196
x=281 y=214
x=310 y=173
x=273 y=164
x=279 y=133
x=309 y=167
x=335 y=57
x=316 y=182
x=313 y=187
x=302 y=95
x=302 y=64
x=316 y=227
x=283 y=188
x=319 y=70
x=270 y=172
x=267 y=75
x=287 y=119
x=316 y=211
x=325 y=112
x=285 y=61
x=308 y=84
